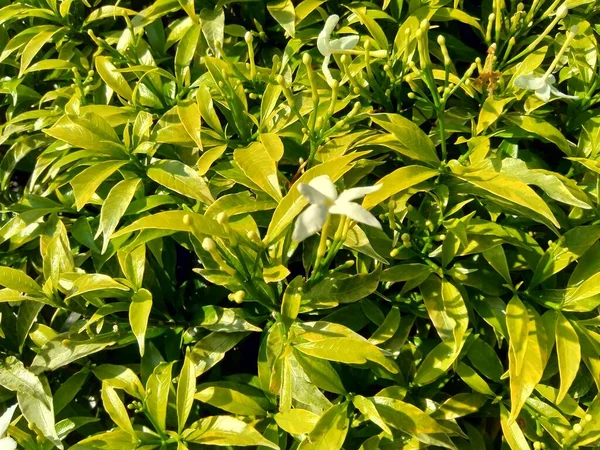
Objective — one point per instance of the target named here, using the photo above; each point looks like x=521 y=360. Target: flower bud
x=441 y=40
x=562 y=10
x=405 y=237
x=394 y=252
x=280 y=80
x=306 y=59
x=209 y=245
x=248 y=37
x=577 y=428
x=588 y=418
x=238 y=297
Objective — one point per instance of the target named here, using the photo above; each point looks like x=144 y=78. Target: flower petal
x=313 y=196
x=355 y=212
x=550 y=79
x=325 y=34
x=557 y=93
x=309 y=222
x=326 y=71
x=8 y=444
x=543 y=93
x=359 y=192
x=6 y=418
x=344 y=43
x=325 y=186
x=522 y=81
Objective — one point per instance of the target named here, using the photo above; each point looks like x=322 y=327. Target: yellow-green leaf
x=114 y=207
x=186 y=388
x=115 y=408
x=87 y=181
x=257 y=164
x=180 y=178
x=139 y=312
x=568 y=351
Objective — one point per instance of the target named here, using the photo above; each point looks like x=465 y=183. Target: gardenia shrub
x=299 y=224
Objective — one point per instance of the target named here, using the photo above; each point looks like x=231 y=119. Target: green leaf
x=189 y=114
x=19 y=281
x=59 y=352
x=568 y=352
x=460 y=405
x=15 y=377
x=540 y=127
x=290 y=304
x=94 y=282
x=347 y=350
x=512 y=432
x=213 y=24
x=388 y=328
x=398 y=181
x=438 y=361
x=554 y=185
x=87 y=181
x=507 y=191
x=569 y=247
x=234 y=398
x=225 y=430
x=446 y=307
x=120 y=377
x=343 y=288
x=225 y=320
x=374 y=28
x=139 y=312
x=115 y=205
x=411 y=420
x=212 y=348
x=115 y=80
x=523 y=382
x=490 y=111
x=40 y=413
x=485 y=359
x=183 y=57
x=89 y=131
x=517 y=320
x=321 y=373
x=414 y=142
x=257 y=164
x=69 y=390
x=330 y=431
x=180 y=178
x=115 y=408
x=367 y=407
x=107 y=441
x=157 y=394
x=283 y=12
x=186 y=387
x=473 y=379
x=174 y=221
x=296 y=421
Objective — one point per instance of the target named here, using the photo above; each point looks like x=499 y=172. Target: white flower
x=328 y=47
x=542 y=86
x=323 y=198
x=7 y=443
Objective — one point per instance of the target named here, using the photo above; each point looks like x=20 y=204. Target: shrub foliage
x=164 y=285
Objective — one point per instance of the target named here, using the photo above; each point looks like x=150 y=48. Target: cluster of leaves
x=153 y=296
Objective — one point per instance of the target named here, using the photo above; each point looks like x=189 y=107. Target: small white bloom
x=324 y=199
x=542 y=86
x=7 y=443
x=327 y=47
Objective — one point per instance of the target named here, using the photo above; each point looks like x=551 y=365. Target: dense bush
x=178 y=269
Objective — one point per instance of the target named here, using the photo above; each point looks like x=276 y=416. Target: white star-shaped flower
x=7 y=443
x=542 y=85
x=327 y=47
x=324 y=199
